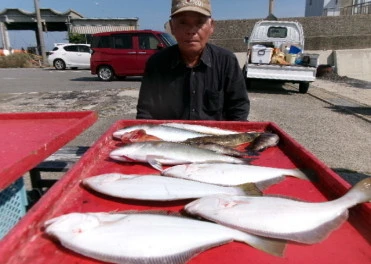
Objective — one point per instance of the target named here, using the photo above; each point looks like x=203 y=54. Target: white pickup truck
x=270 y=39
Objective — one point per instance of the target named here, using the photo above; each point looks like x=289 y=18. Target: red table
x=26 y=139
x=350 y=243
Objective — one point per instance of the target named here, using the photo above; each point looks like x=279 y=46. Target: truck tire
x=303 y=87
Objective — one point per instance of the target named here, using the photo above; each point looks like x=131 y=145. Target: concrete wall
x=321 y=33
x=343 y=41
x=353 y=63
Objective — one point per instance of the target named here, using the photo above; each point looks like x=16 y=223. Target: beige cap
x=199 y=6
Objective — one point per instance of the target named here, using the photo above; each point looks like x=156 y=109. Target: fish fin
x=250 y=152
x=272 y=246
x=321 y=232
x=265 y=184
x=155 y=163
x=250 y=189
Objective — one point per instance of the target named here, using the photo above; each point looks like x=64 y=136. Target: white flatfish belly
x=155 y=187
x=232 y=174
x=145 y=238
x=279 y=217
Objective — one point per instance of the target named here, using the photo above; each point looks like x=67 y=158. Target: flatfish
x=146 y=238
x=232 y=174
x=281 y=218
x=160 y=188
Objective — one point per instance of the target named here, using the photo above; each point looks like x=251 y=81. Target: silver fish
x=281 y=218
x=160 y=188
x=201 y=128
x=232 y=174
x=262 y=142
x=164 y=132
x=168 y=153
x=146 y=238
x=231 y=140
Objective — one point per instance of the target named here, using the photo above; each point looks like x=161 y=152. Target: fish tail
x=361 y=192
x=250 y=189
x=272 y=246
x=303 y=174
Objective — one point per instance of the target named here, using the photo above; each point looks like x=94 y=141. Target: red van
x=125 y=53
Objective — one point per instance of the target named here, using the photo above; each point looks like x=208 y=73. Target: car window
x=72 y=48
x=55 y=48
x=277 y=32
x=168 y=39
x=123 y=41
x=101 y=42
x=148 y=41
x=83 y=48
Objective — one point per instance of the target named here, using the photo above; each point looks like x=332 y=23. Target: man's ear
x=171 y=26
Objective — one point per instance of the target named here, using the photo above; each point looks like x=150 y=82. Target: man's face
x=192 y=31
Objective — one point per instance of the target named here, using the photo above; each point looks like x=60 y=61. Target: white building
x=337 y=7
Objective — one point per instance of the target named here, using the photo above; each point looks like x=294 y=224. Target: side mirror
x=246 y=40
x=160 y=46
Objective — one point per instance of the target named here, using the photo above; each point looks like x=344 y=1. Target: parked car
x=70 y=56
x=125 y=53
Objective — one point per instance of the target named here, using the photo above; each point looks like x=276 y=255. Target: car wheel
x=59 y=64
x=303 y=87
x=105 y=73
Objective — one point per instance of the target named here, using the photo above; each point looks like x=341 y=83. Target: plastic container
x=13 y=202
x=291 y=58
x=294 y=50
x=350 y=243
x=261 y=54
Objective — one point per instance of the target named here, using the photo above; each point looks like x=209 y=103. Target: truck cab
x=275 y=51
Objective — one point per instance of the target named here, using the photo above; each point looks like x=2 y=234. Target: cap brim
x=192 y=9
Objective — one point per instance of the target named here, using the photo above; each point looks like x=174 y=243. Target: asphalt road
x=330 y=129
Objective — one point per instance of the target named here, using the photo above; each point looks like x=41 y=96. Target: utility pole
x=271 y=5
x=40 y=33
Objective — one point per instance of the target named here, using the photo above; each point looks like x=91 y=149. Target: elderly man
x=193 y=80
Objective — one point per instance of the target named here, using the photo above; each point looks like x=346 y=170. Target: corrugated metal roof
x=98 y=29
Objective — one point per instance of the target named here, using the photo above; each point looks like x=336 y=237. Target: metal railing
x=358 y=9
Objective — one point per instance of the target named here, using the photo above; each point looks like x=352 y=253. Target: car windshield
x=168 y=39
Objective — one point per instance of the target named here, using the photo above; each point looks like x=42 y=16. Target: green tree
x=76 y=38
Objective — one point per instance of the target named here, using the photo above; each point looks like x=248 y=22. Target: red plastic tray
x=26 y=139
x=26 y=243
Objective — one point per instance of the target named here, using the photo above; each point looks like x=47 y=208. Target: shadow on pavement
x=269 y=87
x=117 y=79
x=350 y=176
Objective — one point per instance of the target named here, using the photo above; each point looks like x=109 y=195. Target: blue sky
x=152 y=14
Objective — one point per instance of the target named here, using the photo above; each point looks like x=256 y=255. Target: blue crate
x=13 y=202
